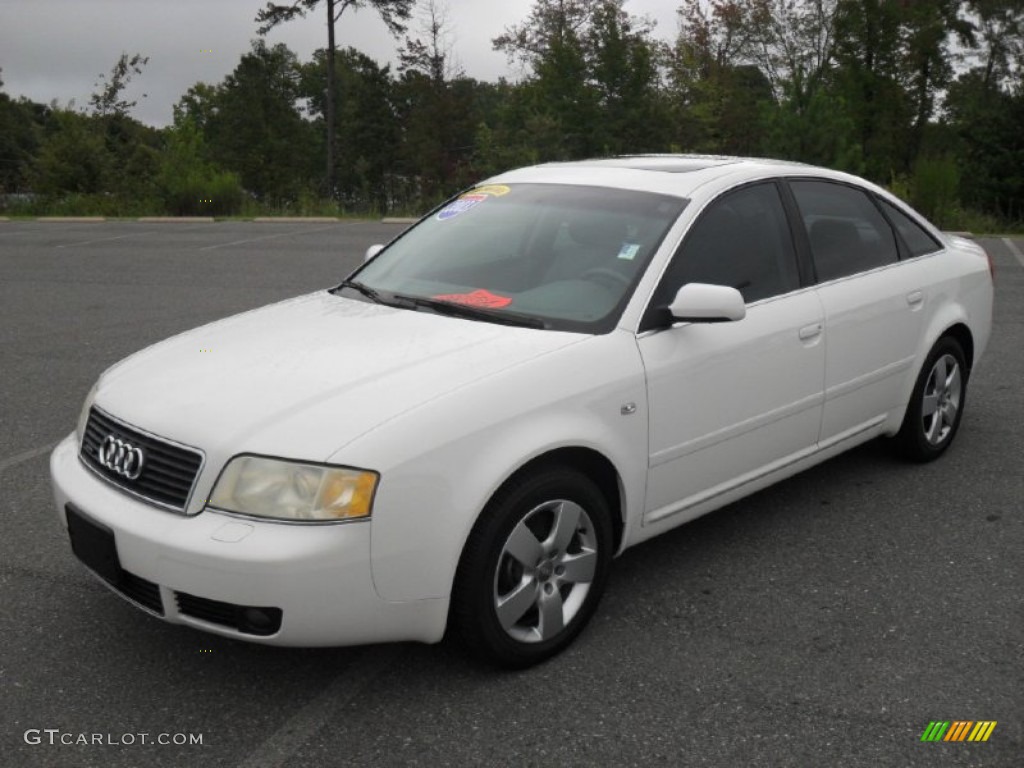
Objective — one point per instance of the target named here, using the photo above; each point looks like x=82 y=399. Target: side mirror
x=703 y=303
x=372 y=251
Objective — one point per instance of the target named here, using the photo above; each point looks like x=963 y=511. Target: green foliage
x=392 y=12
x=73 y=158
x=20 y=135
x=252 y=124
x=366 y=124
x=593 y=87
x=721 y=103
x=934 y=188
x=960 y=219
x=196 y=194
x=986 y=119
x=190 y=185
x=107 y=101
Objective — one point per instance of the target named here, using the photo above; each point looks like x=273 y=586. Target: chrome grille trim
x=171 y=470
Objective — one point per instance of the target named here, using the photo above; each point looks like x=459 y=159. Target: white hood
x=307 y=376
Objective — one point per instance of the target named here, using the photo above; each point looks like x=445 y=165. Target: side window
x=741 y=240
x=914 y=235
x=848 y=233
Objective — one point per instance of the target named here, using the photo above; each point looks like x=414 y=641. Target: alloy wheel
x=941 y=403
x=545 y=571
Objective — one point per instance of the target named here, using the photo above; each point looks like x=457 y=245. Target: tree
x=393 y=13
x=107 y=101
x=986 y=118
x=432 y=58
x=720 y=95
x=73 y=157
x=20 y=128
x=368 y=134
x=928 y=29
x=624 y=69
x=795 y=47
x=252 y=123
x=199 y=104
x=434 y=107
x=188 y=182
x=593 y=80
x=1000 y=27
x=869 y=68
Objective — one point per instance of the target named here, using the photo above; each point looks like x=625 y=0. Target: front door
x=732 y=401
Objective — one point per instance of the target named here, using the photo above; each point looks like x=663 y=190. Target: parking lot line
x=270 y=237
x=105 y=239
x=19 y=458
x=1014 y=250
x=297 y=730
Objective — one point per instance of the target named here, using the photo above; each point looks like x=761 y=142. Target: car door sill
x=819 y=452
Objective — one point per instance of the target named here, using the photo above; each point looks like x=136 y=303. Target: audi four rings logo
x=121 y=457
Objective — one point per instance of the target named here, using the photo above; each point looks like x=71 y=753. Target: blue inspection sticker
x=463 y=204
x=629 y=251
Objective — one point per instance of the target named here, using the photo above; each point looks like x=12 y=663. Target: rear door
x=873 y=305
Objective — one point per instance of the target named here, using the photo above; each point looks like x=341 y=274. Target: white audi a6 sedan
x=549 y=368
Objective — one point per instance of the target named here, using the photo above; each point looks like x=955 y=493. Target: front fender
x=441 y=463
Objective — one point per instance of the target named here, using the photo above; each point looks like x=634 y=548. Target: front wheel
x=533 y=569
x=937 y=403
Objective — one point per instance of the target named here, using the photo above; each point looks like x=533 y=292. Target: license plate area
x=94 y=545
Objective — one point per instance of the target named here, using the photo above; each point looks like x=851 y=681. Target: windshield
x=553 y=256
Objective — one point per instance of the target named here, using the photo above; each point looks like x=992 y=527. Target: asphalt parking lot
x=823 y=622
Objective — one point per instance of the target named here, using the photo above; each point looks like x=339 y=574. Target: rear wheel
x=533 y=569
x=937 y=403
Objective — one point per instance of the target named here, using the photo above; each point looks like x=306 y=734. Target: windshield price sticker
x=491 y=190
x=472 y=199
x=479 y=298
x=463 y=204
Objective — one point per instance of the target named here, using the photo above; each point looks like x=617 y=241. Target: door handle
x=915 y=298
x=808 y=332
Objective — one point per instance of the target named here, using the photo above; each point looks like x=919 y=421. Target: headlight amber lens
x=285 y=490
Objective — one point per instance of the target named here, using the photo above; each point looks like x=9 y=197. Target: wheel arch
x=463 y=620
x=595 y=466
x=963 y=336
x=948 y=325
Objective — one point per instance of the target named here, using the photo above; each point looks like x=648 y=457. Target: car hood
x=304 y=377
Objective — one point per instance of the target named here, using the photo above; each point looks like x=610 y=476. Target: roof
x=676 y=163
x=678 y=175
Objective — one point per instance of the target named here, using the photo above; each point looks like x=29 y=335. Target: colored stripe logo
x=958 y=730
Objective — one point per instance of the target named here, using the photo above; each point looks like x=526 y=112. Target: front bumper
x=318 y=576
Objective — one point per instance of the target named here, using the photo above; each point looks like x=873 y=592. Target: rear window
x=848 y=234
x=914 y=235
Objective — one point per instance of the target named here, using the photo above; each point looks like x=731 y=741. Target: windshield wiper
x=474 y=313
x=366 y=290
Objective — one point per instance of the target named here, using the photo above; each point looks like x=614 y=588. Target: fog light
x=258 y=621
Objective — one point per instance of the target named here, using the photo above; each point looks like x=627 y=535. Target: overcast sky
x=56 y=49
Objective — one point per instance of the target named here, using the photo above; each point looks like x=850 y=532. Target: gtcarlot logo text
x=57 y=737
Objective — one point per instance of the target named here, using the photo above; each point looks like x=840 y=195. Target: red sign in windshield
x=478 y=298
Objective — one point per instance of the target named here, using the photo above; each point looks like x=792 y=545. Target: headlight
x=287 y=490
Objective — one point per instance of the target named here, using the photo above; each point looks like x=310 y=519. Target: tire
x=936 y=405
x=533 y=568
